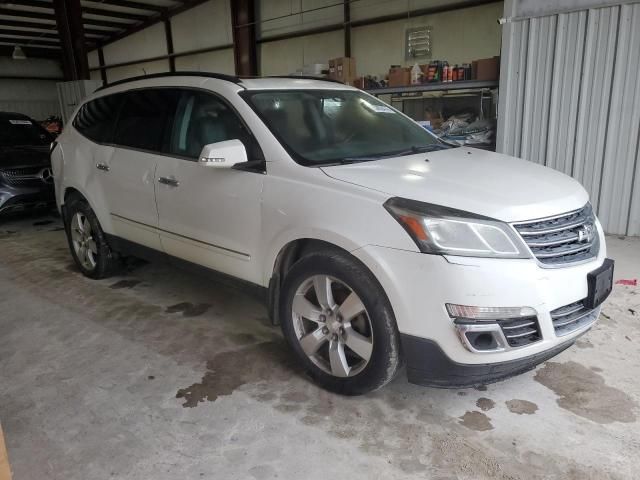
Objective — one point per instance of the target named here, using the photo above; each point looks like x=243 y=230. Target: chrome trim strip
x=572 y=320
x=563 y=313
x=538 y=220
x=246 y=255
x=551 y=243
x=515 y=327
x=578 y=249
x=566 y=226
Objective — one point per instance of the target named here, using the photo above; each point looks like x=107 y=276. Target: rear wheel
x=338 y=321
x=87 y=241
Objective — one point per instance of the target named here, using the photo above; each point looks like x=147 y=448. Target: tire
x=96 y=260
x=316 y=333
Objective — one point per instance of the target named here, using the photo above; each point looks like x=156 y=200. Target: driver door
x=209 y=216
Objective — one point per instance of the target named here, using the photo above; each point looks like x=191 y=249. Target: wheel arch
x=288 y=255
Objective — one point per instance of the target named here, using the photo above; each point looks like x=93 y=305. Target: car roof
x=247 y=83
x=13 y=116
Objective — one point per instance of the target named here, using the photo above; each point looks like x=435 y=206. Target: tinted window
x=22 y=131
x=144 y=117
x=96 y=119
x=201 y=119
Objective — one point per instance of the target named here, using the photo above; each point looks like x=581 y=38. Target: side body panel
x=212 y=217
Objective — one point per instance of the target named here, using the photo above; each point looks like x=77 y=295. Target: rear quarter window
x=97 y=118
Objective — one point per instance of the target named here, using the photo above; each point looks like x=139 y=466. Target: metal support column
x=103 y=71
x=169 y=37
x=243 y=16
x=347 y=28
x=74 y=54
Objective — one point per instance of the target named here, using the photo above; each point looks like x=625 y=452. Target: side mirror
x=223 y=154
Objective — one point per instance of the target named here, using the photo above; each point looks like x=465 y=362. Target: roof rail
x=302 y=77
x=219 y=76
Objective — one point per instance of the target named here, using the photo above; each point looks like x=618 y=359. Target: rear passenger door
x=209 y=216
x=129 y=174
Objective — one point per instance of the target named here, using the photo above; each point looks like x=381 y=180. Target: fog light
x=488 y=313
x=480 y=329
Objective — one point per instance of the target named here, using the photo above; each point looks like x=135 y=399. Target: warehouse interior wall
x=26 y=93
x=459 y=36
x=206 y=26
x=288 y=56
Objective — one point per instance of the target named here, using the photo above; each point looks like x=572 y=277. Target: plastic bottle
x=445 y=72
x=415 y=74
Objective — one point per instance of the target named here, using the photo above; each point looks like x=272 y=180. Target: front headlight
x=446 y=231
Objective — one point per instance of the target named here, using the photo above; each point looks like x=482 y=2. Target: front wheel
x=338 y=320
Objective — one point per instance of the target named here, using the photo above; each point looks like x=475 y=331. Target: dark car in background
x=26 y=181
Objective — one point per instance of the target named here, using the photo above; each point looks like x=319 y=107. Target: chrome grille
x=572 y=317
x=563 y=239
x=24 y=176
x=520 y=331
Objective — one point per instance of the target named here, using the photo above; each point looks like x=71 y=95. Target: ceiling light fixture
x=18 y=53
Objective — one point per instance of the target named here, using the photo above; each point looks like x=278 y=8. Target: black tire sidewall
x=385 y=358
x=105 y=257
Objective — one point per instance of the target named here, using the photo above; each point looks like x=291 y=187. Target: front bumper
x=429 y=366
x=419 y=285
x=19 y=199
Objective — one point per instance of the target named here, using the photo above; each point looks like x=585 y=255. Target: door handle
x=172 y=182
x=102 y=166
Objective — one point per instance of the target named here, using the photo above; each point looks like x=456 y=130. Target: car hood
x=486 y=183
x=24 y=156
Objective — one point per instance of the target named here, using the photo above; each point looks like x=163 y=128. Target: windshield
x=21 y=131
x=320 y=127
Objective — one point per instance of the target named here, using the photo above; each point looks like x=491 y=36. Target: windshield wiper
x=369 y=158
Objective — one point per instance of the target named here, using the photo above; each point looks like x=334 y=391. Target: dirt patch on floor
x=188 y=309
x=584 y=392
x=227 y=371
x=476 y=421
x=485 y=404
x=124 y=284
x=522 y=407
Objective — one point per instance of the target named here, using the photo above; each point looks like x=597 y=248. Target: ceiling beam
x=98 y=10
x=51 y=27
x=186 y=5
x=28 y=41
x=129 y=4
x=12 y=12
x=28 y=3
x=8 y=31
x=112 y=13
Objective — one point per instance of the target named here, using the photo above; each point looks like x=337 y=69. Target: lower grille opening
x=572 y=317
x=520 y=332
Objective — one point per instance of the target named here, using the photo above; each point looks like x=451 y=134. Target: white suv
x=377 y=243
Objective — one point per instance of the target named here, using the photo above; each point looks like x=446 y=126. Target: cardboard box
x=486 y=69
x=343 y=69
x=399 y=77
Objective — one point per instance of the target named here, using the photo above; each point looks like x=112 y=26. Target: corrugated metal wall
x=570 y=99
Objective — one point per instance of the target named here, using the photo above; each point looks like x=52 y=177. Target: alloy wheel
x=83 y=242
x=332 y=326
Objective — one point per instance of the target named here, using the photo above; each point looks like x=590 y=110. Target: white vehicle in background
x=378 y=244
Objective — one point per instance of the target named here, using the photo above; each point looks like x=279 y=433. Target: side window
x=144 y=118
x=96 y=118
x=201 y=119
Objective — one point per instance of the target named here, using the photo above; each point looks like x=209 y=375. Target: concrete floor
x=162 y=374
